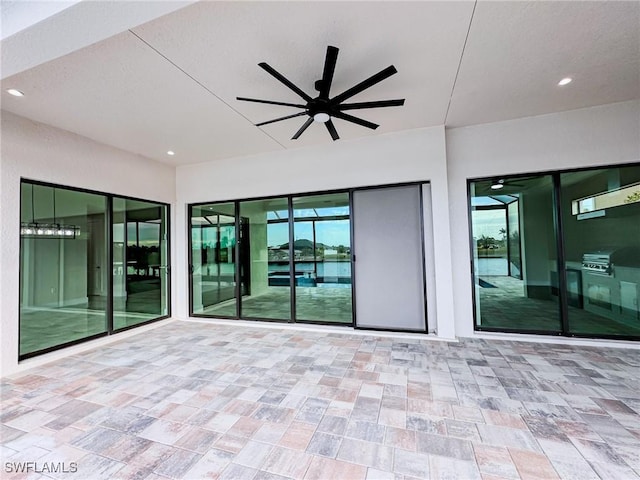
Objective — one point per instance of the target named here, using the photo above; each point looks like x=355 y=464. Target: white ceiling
x=171 y=83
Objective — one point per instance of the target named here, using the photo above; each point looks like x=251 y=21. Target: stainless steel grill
x=597 y=262
x=603 y=261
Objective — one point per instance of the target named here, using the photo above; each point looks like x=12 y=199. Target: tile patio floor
x=192 y=400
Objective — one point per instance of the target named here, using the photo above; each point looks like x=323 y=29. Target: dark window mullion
x=236 y=260
x=292 y=260
x=109 y=262
x=562 y=283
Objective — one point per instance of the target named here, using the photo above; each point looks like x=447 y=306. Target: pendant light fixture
x=35 y=229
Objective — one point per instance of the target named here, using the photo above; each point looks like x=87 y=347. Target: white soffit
x=122 y=93
x=17 y=15
x=221 y=43
x=517 y=52
x=58 y=28
x=97 y=69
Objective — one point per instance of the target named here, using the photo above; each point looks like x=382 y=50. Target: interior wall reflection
x=601 y=227
x=63 y=280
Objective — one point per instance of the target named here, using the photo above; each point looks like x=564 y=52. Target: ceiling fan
x=323 y=108
x=500 y=183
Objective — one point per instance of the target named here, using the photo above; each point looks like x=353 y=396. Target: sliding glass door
x=601 y=227
x=290 y=259
x=515 y=254
x=252 y=259
x=322 y=258
x=78 y=280
x=140 y=262
x=264 y=259
x=63 y=277
x=558 y=253
x=213 y=259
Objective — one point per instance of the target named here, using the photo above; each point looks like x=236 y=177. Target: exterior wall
x=40 y=152
x=596 y=136
x=415 y=155
x=603 y=135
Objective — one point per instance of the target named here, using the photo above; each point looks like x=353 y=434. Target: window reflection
x=63 y=281
x=213 y=257
x=517 y=283
x=514 y=255
x=140 y=261
x=601 y=226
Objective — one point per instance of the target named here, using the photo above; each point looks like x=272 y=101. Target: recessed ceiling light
x=171 y=152
x=565 y=81
x=15 y=93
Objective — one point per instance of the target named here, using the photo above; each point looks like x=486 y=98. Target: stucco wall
x=603 y=135
x=594 y=136
x=409 y=156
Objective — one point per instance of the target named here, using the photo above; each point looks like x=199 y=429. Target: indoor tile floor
x=194 y=400
x=330 y=304
x=503 y=305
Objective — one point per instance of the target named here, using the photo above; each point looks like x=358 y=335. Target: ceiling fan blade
x=270 y=102
x=282 y=118
x=283 y=80
x=351 y=118
x=332 y=130
x=378 y=104
x=329 y=68
x=369 y=82
x=303 y=128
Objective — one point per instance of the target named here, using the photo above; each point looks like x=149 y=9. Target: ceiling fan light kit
x=322 y=109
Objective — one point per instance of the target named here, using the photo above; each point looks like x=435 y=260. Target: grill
x=602 y=261
x=597 y=262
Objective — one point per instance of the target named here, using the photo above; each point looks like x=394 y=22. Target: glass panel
x=213 y=252
x=63 y=278
x=140 y=262
x=602 y=250
x=264 y=252
x=322 y=261
x=527 y=301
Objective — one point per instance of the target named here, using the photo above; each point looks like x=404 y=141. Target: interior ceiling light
x=565 y=81
x=35 y=229
x=497 y=184
x=15 y=93
x=171 y=152
x=323 y=108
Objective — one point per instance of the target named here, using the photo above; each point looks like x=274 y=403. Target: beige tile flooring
x=194 y=400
